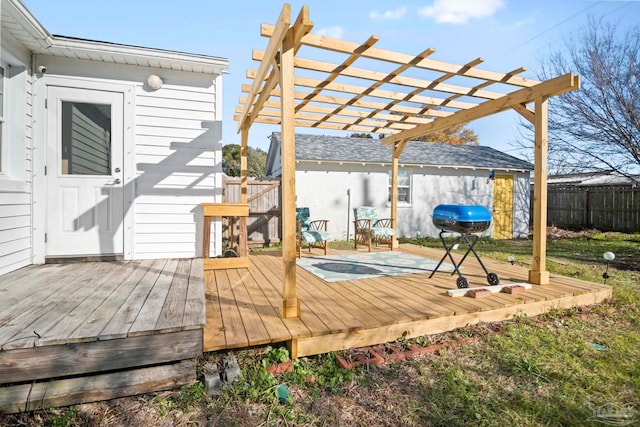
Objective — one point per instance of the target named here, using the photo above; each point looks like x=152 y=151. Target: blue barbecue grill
x=464 y=220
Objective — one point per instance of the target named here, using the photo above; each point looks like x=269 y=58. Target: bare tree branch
x=598 y=126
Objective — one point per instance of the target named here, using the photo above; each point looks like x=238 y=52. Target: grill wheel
x=493 y=279
x=462 y=282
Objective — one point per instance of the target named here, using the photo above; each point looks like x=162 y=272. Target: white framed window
x=13 y=119
x=404 y=187
x=2 y=119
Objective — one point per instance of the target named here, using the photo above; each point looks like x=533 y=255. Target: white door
x=85 y=208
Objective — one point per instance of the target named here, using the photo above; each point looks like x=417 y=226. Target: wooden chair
x=368 y=228
x=313 y=233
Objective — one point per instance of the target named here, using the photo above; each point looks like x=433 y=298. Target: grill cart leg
x=461 y=282
x=472 y=239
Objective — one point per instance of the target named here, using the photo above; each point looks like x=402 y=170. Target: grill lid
x=462 y=213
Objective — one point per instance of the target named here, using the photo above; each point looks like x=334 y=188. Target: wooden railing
x=232 y=211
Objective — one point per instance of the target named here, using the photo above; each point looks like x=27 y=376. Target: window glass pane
x=403 y=195
x=403 y=177
x=404 y=186
x=86 y=139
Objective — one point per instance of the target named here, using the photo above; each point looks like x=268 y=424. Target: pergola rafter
x=417 y=96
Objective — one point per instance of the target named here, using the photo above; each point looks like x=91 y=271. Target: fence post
x=587 y=208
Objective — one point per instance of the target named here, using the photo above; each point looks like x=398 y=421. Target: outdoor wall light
x=608 y=256
x=492 y=176
x=154 y=82
x=511 y=259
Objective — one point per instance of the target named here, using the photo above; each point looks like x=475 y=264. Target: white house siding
x=331 y=191
x=176 y=140
x=177 y=156
x=15 y=184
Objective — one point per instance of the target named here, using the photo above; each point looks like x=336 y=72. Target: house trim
x=411 y=165
x=39 y=41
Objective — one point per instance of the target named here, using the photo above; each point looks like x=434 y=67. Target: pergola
x=416 y=96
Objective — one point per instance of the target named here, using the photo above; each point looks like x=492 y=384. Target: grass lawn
x=570 y=367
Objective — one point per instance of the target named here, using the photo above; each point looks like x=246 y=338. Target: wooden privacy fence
x=263 y=223
x=607 y=208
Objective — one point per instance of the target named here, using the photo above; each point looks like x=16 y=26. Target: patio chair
x=368 y=228
x=313 y=233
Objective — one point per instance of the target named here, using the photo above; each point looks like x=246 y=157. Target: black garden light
x=608 y=256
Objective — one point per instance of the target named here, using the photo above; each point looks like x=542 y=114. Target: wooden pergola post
x=538 y=274
x=395 y=160
x=290 y=304
x=243 y=248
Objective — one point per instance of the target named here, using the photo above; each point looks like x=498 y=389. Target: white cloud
x=333 y=32
x=460 y=11
x=388 y=14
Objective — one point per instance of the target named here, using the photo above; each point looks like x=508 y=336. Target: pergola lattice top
x=415 y=96
x=355 y=99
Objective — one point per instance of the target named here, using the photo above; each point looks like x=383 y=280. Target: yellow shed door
x=503 y=207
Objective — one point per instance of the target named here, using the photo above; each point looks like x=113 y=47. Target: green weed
x=68 y=419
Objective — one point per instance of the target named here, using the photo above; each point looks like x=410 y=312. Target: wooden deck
x=243 y=304
x=91 y=319
x=72 y=333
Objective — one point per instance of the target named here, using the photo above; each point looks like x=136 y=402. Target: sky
x=507 y=34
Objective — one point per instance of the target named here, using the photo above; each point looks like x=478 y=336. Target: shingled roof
x=341 y=149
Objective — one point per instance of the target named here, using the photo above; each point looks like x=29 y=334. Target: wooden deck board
x=314 y=295
x=172 y=312
x=97 y=321
x=271 y=269
x=28 y=297
x=214 y=336
x=12 y=288
x=574 y=290
x=272 y=321
x=254 y=328
x=37 y=314
x=149 y=314
x=84 y=302
x=337 y=317
x=381 y=291
x=120 y=324
x=377 y=303
x=423 y=300
x=234 y=332
x=79 y=302
x=458 y=305
x=194 y=311
x=72 y=391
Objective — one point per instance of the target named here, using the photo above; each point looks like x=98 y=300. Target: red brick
x=517 y=289
x=478 y=293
